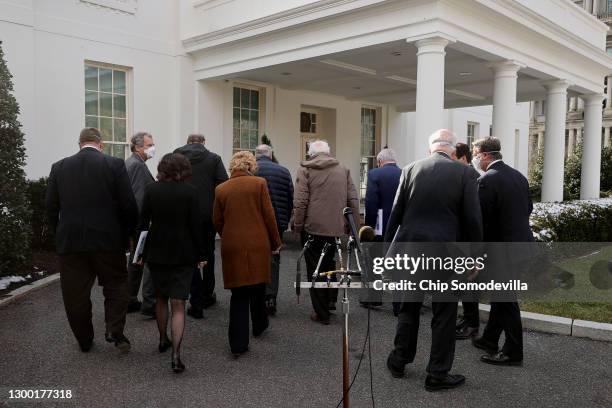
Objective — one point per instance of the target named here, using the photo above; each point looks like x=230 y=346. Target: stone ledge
x=25 y=289
x=592 y=330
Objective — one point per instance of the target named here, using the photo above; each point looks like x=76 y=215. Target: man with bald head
x=437 y=201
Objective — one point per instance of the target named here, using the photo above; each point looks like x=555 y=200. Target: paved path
x=296 y=364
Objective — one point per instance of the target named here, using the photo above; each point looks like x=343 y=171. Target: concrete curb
x=558 y=325
x=25 y=289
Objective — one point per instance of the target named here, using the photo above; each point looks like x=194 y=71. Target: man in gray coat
x=436 y=201
x=143 y=149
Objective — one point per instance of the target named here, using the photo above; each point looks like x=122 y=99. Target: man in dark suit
x=143 y=149
x=208 y=173
x=506 y=206
x=381 y=189
x=280 y=187
x=437 y=201
x=380 y=193
x=92 y=209
x=469 y=323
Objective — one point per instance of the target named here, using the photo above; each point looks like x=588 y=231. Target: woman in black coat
x=174 y=246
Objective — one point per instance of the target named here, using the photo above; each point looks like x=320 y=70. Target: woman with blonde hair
x=244 y=218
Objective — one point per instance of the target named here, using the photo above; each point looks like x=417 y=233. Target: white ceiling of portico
x=386 y=74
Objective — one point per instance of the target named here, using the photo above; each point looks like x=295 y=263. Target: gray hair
x=263 y=150
x=491 y=145
x=318 y=147
x=387 y=155
x=442 y=139
x=138 y=140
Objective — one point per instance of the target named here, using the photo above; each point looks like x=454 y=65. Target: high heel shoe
x=164 y=345
x=177 y=364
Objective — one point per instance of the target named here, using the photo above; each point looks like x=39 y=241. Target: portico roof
x=367 y=51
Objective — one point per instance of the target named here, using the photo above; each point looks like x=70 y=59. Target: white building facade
x=362 y=74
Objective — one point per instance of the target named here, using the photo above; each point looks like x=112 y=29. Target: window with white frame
x=369 y=147
x=472 y=131
x=106 y=106
x=246 y=111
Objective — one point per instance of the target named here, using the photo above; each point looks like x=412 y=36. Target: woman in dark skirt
x=174 y=246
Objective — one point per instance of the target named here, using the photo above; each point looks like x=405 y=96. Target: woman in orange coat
x=244 y=218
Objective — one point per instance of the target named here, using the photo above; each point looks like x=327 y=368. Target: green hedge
x=573 y=221
x=42 y=236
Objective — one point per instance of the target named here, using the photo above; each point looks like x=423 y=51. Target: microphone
x=348 y=214
x=366 y=234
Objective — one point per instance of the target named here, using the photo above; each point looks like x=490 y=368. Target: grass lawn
x=583 y=301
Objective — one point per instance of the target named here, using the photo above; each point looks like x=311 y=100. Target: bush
x=573 y=221
x=14 y=209
x=571 y=175
x=42 y=236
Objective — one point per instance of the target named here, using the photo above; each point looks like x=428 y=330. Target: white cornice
x=316 y=10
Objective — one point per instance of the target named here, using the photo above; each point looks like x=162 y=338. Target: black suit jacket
x=506 y=204
x=436 y=201
x=90 y=203
x=171 y=214
x=208 y=172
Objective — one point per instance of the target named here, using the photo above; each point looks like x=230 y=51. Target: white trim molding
x=125 y=6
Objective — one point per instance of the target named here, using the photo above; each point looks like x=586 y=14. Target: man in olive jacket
x=323 y=188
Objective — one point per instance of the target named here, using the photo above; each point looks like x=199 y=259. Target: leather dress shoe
x=445 y=383
x=122 y=343
x=396 y=372
x=483 y=344
x=209 y=301
x=315 y=318
x=196 y=313
x=109 y=337
x=258 y=333
x=237 y=354
x=466 y=332
x=501 y=359
x=134 y=306
x=86 y=346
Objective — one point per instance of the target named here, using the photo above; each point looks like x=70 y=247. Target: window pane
x=236 y=123
x=244 y=98
x=236 y=139
x=119 y=82
x=254 y=99
x=244 y=118
x=244 y=139
x=313 y=128
x=106 y=104
x=119 y=151
x=91 y=78
x=119 y=106
x=106 y=128
x=253 y=139
x=236 y=97
x=119 y=131
x=108 y=149
x=91 y=103
x=254 y=120
x=106 y=80
x=91 y=121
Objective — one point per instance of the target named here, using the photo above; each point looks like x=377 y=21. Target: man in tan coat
x=323 y=188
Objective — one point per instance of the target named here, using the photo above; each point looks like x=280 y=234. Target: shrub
x=14 y=209
x=42 y=236
x=573 y=221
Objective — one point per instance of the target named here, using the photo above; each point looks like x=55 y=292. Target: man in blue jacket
x=380 y=193
x=280 y=187
x=381 y=189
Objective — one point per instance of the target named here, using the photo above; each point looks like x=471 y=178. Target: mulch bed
x=42 y=264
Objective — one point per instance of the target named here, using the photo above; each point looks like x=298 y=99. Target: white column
x=591 y=147
x=580 y=104
x=429 y=92
x=554 y=141
x=578 y=136
x=572 y=104
x=596 y=7
x=607 y=136
x=588 y=5
x=540 y=140
x=571 y=143
x=609 y=93
x=504 y=106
